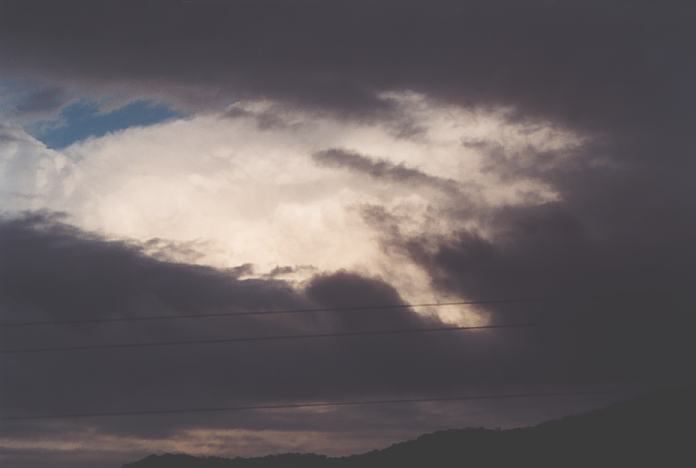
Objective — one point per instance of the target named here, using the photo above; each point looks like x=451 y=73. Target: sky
x=164 y=158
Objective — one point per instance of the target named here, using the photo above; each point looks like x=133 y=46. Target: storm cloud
x=52 y=271
x=380 y=169
x=595 y=226
x=587 y=64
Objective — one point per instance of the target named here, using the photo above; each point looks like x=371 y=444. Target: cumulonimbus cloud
x=577 y=188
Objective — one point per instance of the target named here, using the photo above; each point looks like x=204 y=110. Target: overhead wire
x=248 y=313
x=207 y=341
x=153 y=412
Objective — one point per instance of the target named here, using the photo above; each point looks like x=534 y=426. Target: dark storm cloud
x=614 y=252
x=584 y=64
x=70 y=259
x=612 y=259
x=265 y=119
x=619 y=72
x=381 y=169
x=42 y=102
x=50 y=270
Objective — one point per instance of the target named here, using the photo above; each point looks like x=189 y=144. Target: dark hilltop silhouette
x=652 y=431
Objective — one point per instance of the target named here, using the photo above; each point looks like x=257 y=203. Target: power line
x=402 y=331
x=254 y=313
x=303 y=405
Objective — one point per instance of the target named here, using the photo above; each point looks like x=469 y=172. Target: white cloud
x=245 y=188
x=30 y=173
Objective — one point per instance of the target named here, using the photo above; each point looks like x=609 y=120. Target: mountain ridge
x=653 y=430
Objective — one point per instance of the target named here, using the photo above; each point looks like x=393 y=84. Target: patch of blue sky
x=84 y=119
